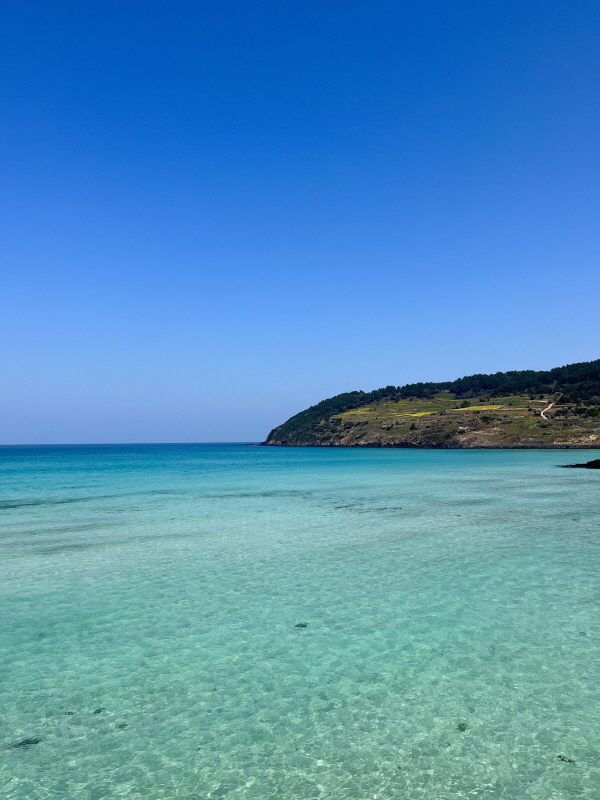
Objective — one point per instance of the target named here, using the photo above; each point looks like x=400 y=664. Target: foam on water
x=151 y=597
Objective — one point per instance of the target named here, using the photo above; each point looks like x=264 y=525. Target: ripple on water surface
x=231 y=622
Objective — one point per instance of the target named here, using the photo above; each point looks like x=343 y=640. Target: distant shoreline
x=375 y=446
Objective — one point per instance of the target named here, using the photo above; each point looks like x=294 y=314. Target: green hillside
x=505 y=409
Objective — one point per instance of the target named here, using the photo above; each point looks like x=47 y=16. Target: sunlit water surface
x=151 y=597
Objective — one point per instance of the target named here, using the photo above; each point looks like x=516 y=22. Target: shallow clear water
x=150 y=597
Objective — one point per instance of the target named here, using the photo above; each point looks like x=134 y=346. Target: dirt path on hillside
x=543 y=414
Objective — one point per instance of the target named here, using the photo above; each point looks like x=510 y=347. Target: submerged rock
x=301 y=625
x=26 y=743
x=595 y=464
x=565 y=759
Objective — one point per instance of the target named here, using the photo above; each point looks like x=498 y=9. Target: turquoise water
x=150 y=598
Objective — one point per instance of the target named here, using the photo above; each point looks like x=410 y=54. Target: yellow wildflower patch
x=418 y=414
x=479 y=408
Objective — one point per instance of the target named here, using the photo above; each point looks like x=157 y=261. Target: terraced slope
x=470 y=412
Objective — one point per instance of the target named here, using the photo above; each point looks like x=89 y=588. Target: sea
x=254 y=623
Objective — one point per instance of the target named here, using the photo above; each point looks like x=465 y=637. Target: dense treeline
x=578 y=383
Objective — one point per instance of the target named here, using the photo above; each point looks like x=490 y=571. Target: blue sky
x=214 y=214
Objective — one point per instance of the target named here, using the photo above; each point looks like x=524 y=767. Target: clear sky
x=215 y=213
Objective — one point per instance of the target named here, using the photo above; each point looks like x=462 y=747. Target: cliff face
x=452 y=416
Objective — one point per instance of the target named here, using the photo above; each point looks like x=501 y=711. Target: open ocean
x=151 y=597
